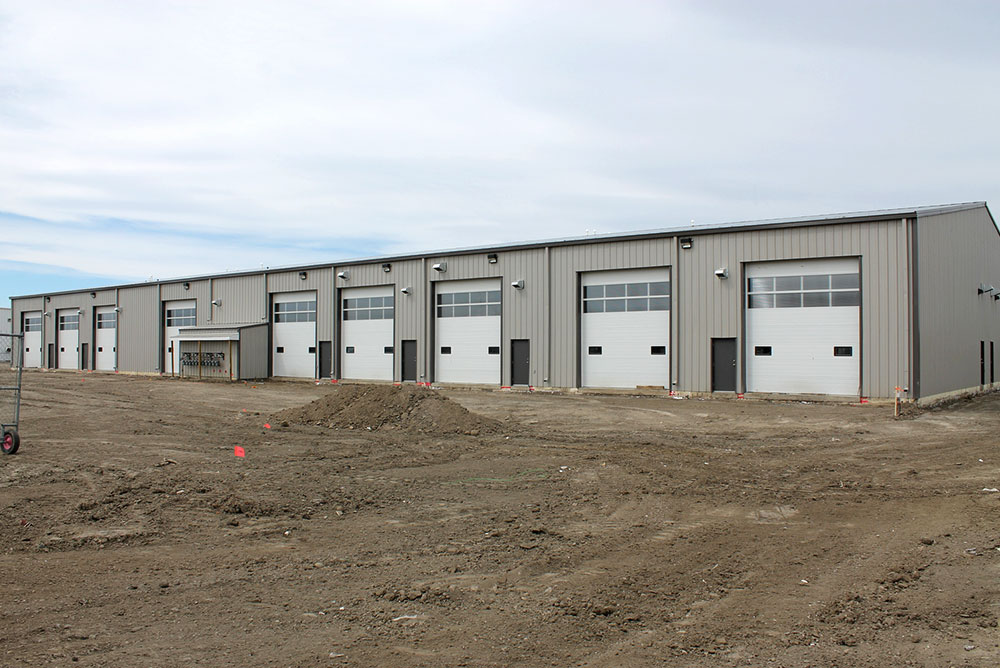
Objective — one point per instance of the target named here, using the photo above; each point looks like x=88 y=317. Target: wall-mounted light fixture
x=118 y=309
x=344 y=275
x=985 y=289
x=216 y=302
x=387 y=267
x=406 y=290
x=303 y=275
x=518 y=285
x=722 y=273
x=79 y=312
x=440 y=266
x=996 y=298
x=492 y=258
x=187 y=286
x=686 y=243
x=93 y=295
x=48 y=299
x=47 y=313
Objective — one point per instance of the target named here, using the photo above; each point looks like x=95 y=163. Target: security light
x=187 y=286
x=518 y=285
x=406 y=290
x=722 y=273
x=302 y=275
x=216 y=302
x=79 y=312
x=93 y=295
x=118 y=309
x=686 y=243
x=440 y=266
x=492 y=258
x=386 y=267
x=344 y=275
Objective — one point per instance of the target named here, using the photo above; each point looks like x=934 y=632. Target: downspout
x=425 y=316
x=547 y=333
x=118 y=322
x=913 y=254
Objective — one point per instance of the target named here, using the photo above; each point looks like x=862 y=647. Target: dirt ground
x=564 y=530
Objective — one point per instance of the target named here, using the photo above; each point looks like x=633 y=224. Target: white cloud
x=441 y=124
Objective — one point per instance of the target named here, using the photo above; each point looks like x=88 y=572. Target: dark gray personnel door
x=723 y=365
x=520 y=362
x=326 y=359
x=409 y=361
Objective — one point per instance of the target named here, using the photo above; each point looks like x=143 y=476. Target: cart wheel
x=11 y=441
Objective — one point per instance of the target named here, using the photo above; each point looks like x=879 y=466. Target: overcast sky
x=159 y=139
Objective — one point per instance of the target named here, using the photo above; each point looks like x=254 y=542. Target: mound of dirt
x=375 y=407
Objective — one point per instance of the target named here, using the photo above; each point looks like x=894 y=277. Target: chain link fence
x=11 y=363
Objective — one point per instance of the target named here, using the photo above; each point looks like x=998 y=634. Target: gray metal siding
x=253 y=352
x=955 y=253
x=50 y=323
x=139 y=329
x=243 y=300
x=320 y=280
x=707 y=307
x=523 y=315
x=410 y=309
x=198 y=291
x=566 y=263
x=19 y=306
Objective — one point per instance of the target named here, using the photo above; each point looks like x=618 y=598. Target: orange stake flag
x=239 y=452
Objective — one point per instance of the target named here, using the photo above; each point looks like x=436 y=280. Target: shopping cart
x=11 y=365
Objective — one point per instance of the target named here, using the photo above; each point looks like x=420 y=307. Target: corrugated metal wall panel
x=708 y=307
x=19 y=306
x=198 y=291
x=320 y=280
x=409 y=308
x=78 y=300
x=523 y=316
x=244 y=300
x=139 y=329
x=956 y=253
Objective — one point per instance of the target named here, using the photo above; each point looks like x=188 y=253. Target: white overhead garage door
x=294 y=334
x=32 y=330
x=803 y=327
x=104 y=338
x=625 y=328
x=176 y=314
x=467 y=331
x=68 y=339
x=366 y=333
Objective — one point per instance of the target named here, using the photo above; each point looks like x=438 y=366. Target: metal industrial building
x=851 y=305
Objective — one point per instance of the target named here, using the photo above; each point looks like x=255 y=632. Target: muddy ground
x=570 y=530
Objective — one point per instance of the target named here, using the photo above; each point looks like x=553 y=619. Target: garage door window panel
x=809 y=291
x=652 y=296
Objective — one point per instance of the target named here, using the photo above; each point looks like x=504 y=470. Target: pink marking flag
x=239 y=452
x=267 y=425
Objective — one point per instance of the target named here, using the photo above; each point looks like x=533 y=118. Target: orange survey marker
x=239 y=452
